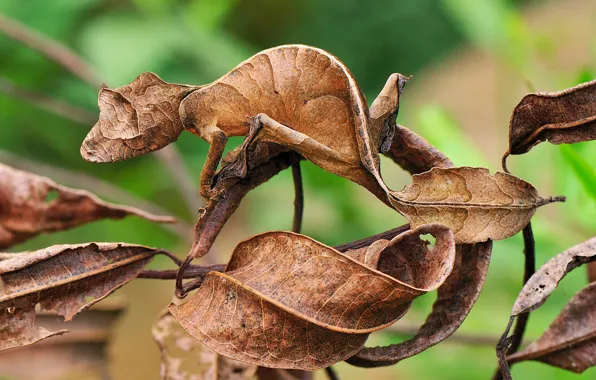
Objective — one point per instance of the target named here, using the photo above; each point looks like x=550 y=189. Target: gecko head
x=135 y=119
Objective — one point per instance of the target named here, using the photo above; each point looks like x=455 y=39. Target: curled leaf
x=563 y=117
x=541 y=285
x=455 y=299
x=476 y=205
x=66 y=279
x=570 y=341
x=135 y=119
x=459 y=292
x=184 y=357
x=32 y=204
x=545 y=280
x=414 y=154
x=288 y=301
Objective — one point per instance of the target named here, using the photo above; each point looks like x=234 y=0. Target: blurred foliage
x=196 y=41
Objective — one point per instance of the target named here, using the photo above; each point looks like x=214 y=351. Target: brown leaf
x=135 y=119
x=459 y=292
x=257 y=310
x=476 y=205
x=414 y=154
x=455 y=299
x=184 y=357
x=570 y=341
x=562 y=117
x=545 y=280
x=32 y=204
x=541 y=285
x=64 y=278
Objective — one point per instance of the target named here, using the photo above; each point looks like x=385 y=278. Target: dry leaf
x=562 y=117
x=32 y=204
x=288 y=301
x=570 y=341
x=414 y=154
x=455 y=299
x=476 y=205
x=541 y=285
x=459 y=292
x=135 y=119
x=66 y=279
x=545 y=280
x=185 y=358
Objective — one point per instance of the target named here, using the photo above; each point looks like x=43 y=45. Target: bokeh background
x=472 y=62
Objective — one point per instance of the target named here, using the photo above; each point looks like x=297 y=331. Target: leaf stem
x=515 y=342
x=298 y=197
x=331 y=374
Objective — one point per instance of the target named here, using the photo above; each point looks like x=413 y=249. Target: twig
x=529 y=270
x=50 y=48
x=503 y=372
x=515 y=342
x=331 y=373
x=194 y=272
x=102 y=188
x=55 y=106
x=390 y=234
x=75 y=64
x=298 y=198
x=172 y=257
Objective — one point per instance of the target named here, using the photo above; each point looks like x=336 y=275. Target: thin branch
x=529 y=270
x=55 y=106
x=503 y=372
x=75 y=64
x=331 y=373
x=50 y=48
x=171 y=256
x=515 y=341
x=388 y=235
x=102 y=188
x=197 y=272
x=298 y=197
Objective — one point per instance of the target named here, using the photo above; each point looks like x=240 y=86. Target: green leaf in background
x=493 y=25
x=585 y=171
x=437 y=126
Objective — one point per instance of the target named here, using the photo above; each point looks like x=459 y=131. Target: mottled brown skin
x=296 y=96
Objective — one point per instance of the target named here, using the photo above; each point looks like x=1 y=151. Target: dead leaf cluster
x=285 y=300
